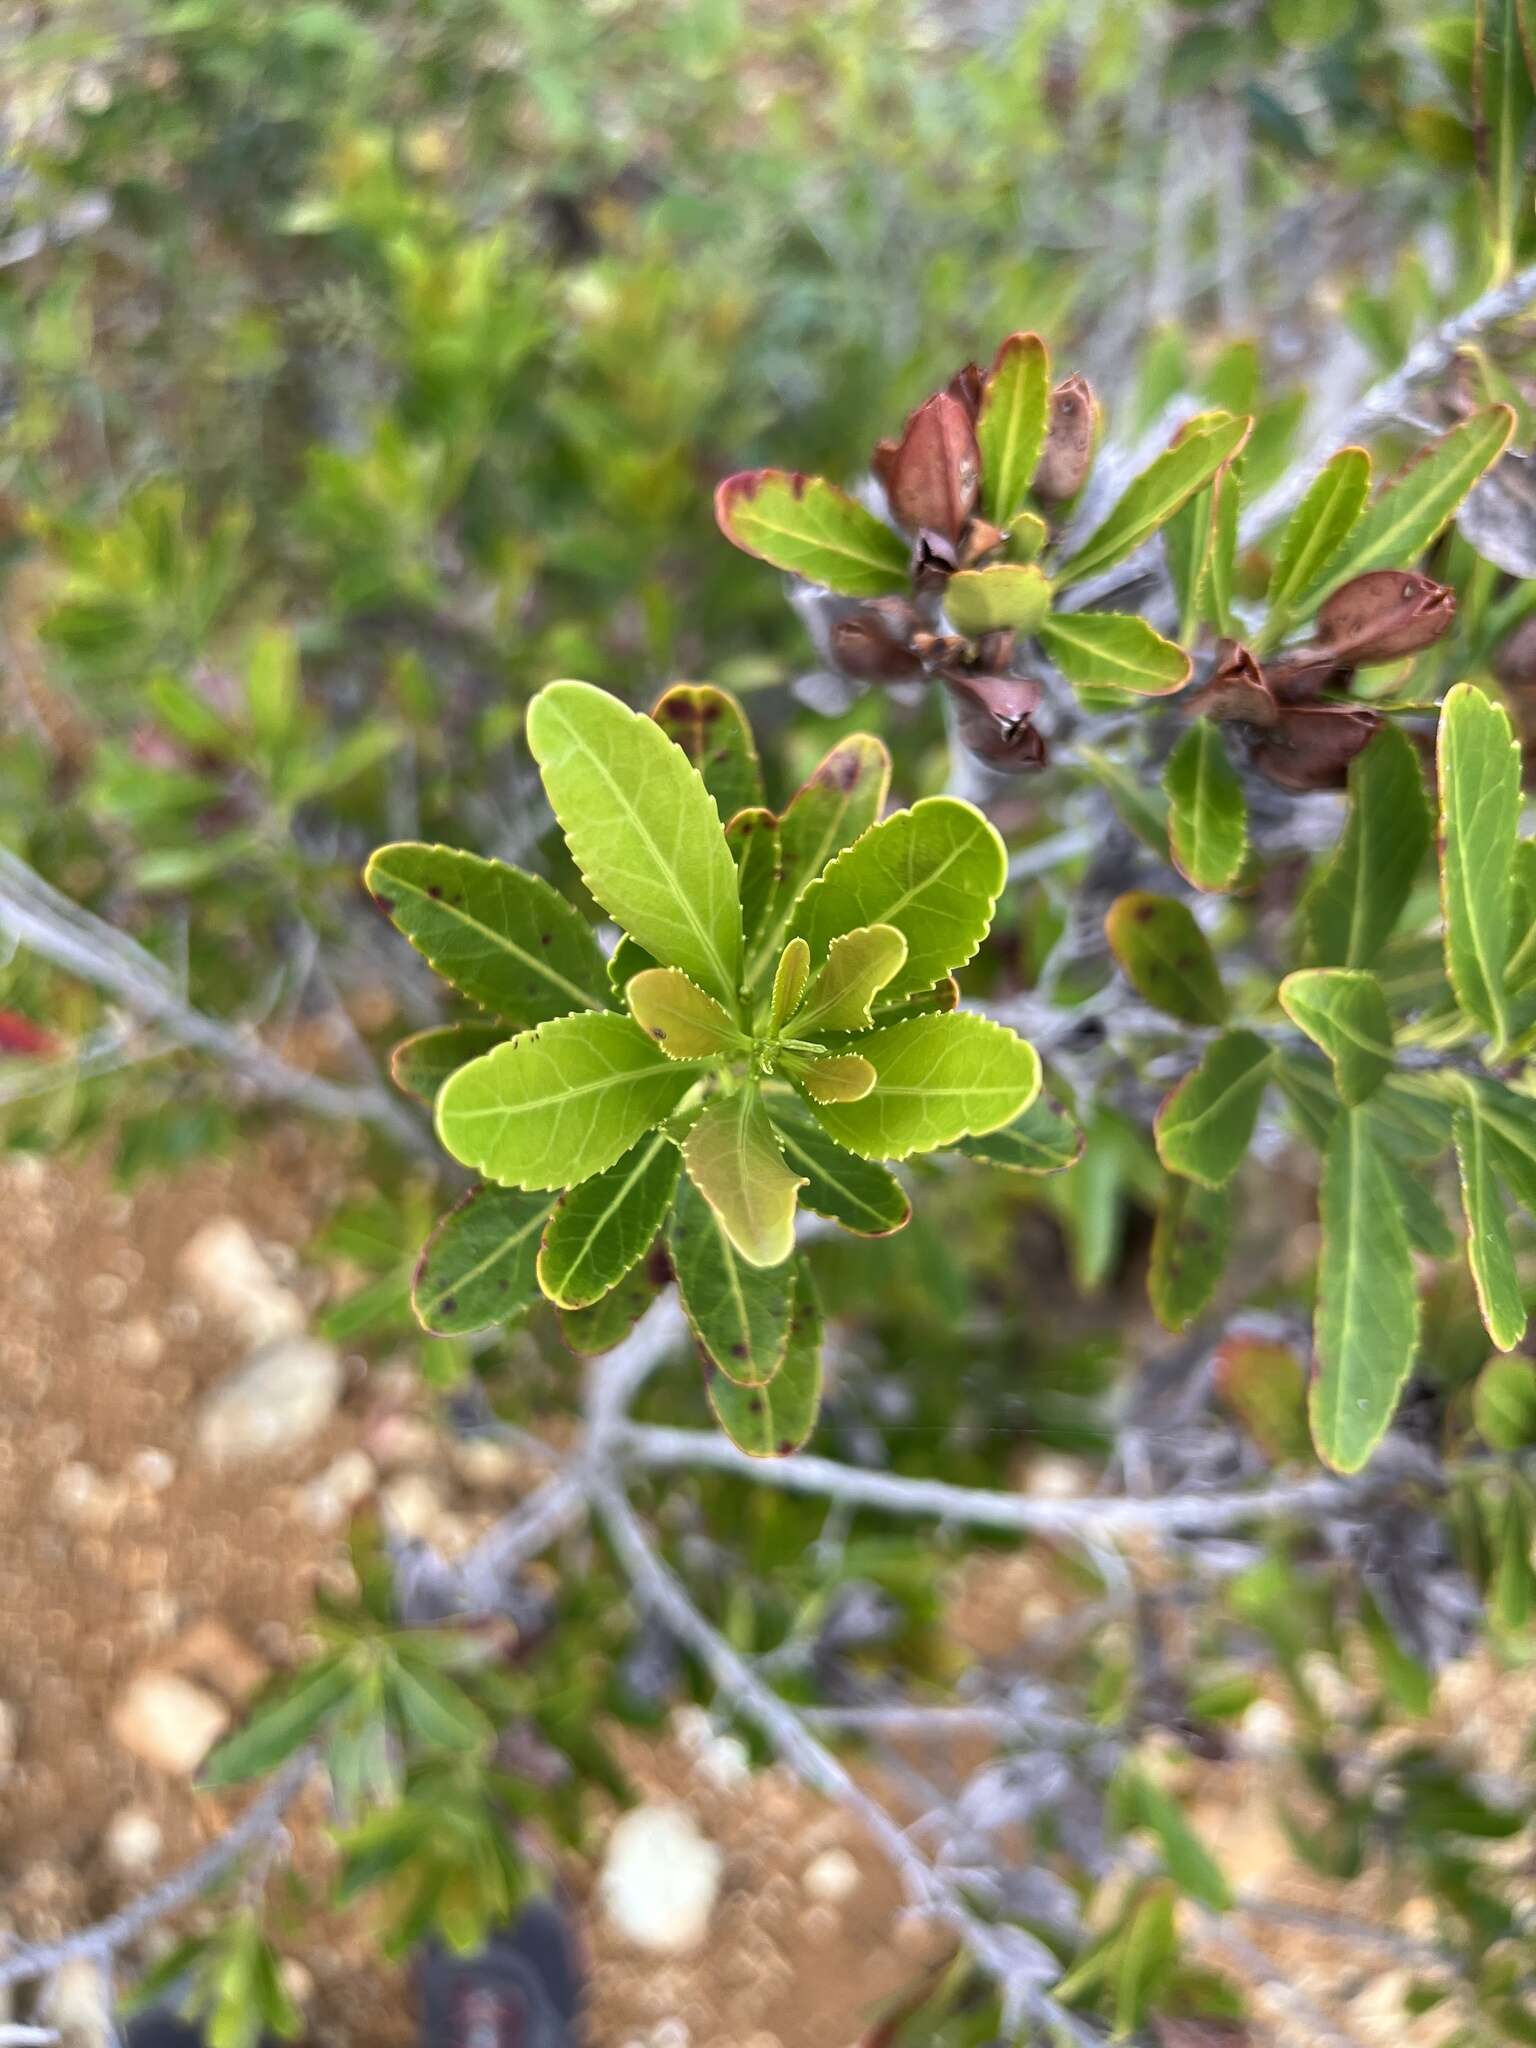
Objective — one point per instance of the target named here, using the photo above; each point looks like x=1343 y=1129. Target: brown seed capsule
x=993 y=715
x=874 y=643
x=1313 y=744
x=1236 y=689
x=1384 y=615
x=1304 y=673
x=980 y=539
x=1067 y=455
x=936 y=471
x=967 y=386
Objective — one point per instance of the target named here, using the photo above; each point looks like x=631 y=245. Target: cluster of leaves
x=778 y=1019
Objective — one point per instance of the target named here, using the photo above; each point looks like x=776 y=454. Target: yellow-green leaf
x=1153 y=497
x=1207 y=813
x=1189 y=1250
x=834 y=1077
x=838 y=803
x=857 y=1193
x=1116 y=650
x=676 y=1013
x=1006 y=597
x=1504 y=1404
x=1479 y=764
x=597 y=1231
x=480 y=1265
x=1353 y=906
x=858 y=966
x=937 y=1079
x=1489 y=1252
x=1344 y=1013
x=810 y=528
x=1011 y=428
x=1166 y=957
x=1205 y=1127
x=712 y=730
x=789 y=980
x=733 y=1159
x=1314 y=534
x=1043 y=1140
x=772 y=1420
x=739 y=1312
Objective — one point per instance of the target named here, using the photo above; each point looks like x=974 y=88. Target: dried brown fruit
x=994 y=714
x=1236 y=689
x=1067 y=455
x=1312 y=745
x=967 y=386
x=874 y=643
x=936 y=472
x=1385 y=614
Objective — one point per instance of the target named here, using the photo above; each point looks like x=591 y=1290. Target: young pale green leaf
x=934 y=872
x=1166 y=957
x=712 y=730
x=1207 y=813
x=1189 y=1250
x=789 y=980
x=808 y=527
x=937 y=1079
x=832 y=1077
x=1367 y=1318
x=591 y=1331
x=773 y=1420
x=856 y=1193
x=553 y=1106
x=1353 y=906
x=739 y=1313
x=1010 y=430
x=1204 y=1129
x=282 y=1720
x=1043 y=1140
x=505 y=939
x=1504 y=1404
x=1415 y=510
x=419 y=1065
x=1489 y=1252
x=733 y=1159
x=643 y=830
x=1344 y=1013
x=858 y=966
x=1154 y=496
x=1114 y=649
x=753 y=837
x=1005 y=598
x=835 y=806
x=1314 y=534
x=599 y=1230
x=1142 y=806
x=683 y=1021
x=479 y=1266
x=1026 y=537
x=1479 y=765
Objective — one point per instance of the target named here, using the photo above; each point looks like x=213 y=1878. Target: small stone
x=166 y=1720
x=723 y=1760
x=660 y=1879
x=396 y=1441
x=133 y=1841
x=344 y=1484
x=214 y=1655
x=80 y=1495
x=76 y=2003
x=413 y=1505
x=151 y=1470
x=487 y=1466
x=831 y=1877
x=1051 y=1476
x=224 y=1268
x=297 y=1981
x=277 y=1400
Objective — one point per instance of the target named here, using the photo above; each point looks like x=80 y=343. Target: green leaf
x=1353 y=906
x=1004 y=598
x=753 y=837
x=592 y=1331
x=1043 y=1140
x=1504 y=1404
x=1316 y=531
x=808 y=527
x=858 y=966
x=479 y=1266
x=272 y=695
x=772 y=1420
x=1166 y=957
x=1264 y=1386
x=643 y=830
x=1189 y=539
x=282 y=1720
x=1367 y=1306
x=934 y=872
x=683 y=1021
x=1489 y=1252
x=1188 y=1862
x=505 y=939
x=1189 y=1250
x=599 y=1230
x=1010 y=430
x=1511 y=1118
x=831 y=1077
x=1204 y=1129
x=836 y=806
x=789 y=983
x=937 y=1079
x=625 y=962
x=1153 y=497
x=1207 y=814
x=1411 y=513
x=733 y=1159
x=1141 y=805
x=421 y=1064
x=1479 y=764
x=1520 y=975
x=436 y=1711
x=854 y=1192
x=1512 y=1595
x=553 y=1106
x=1504 y=101
x=739 y=1313
x=1344 y=1013
x=712 y=730
x=1117 y=649
x=1147 y=1955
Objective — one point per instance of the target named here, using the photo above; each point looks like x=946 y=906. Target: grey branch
x=37 y=916
x=1384 y=401
x=108 y=1937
